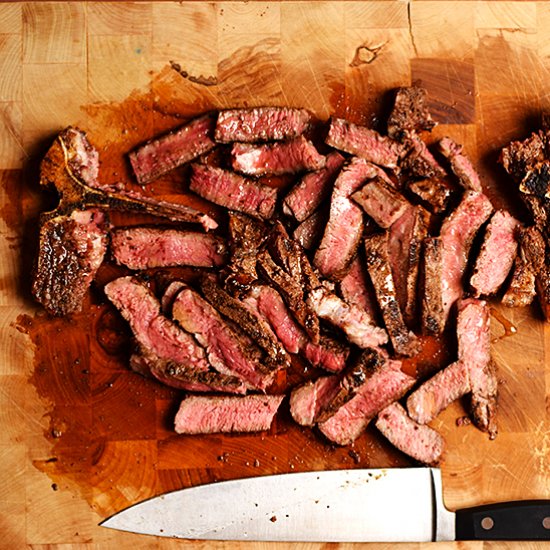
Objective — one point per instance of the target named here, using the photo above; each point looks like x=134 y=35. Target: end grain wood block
x=12 y=153
x=11 y=21
x=376 y=15
x=506 y=15
x=120 y=18
x=10 y=67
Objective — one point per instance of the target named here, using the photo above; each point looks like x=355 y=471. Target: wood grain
x=486 y=65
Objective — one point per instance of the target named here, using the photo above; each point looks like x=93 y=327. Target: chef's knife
x=383 y=505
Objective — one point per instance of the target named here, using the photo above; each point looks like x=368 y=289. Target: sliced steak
x=215 y=414
x=363 y=142
x=497 y=254
x=418 y=161
x=381 y=202
x=310 y=231
x=261 y=124
x=154 y=332
x=356 y=287
x=307 y=401
x=483 y=402
x=521 y=156
x=521 y=290
x=460 y=164
x=71 y=249
x=287 y=157
x=416 y=440
x=169 y=295
x=433 y=314
x=403 y=341
x=305 y=197
x=434 y=193
x=233 y=191
x=163 y=154
x=410 y=112
x=149 y=247
x=537 y=180
x=229 y=351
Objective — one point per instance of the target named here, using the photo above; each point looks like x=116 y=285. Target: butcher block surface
x=81 y=437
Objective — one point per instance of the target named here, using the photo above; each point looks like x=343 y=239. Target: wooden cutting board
x=80 y=436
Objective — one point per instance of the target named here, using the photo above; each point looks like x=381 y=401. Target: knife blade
x=363 y=505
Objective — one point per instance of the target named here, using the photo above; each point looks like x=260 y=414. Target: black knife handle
x=516 y=520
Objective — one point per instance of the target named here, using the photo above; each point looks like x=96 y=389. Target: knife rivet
x=487 y=523
x=546 y=522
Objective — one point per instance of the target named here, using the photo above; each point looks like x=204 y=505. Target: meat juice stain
x=509 y=328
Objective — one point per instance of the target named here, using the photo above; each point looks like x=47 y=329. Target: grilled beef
x=288 y=157
x=364 y=142
x=483 y=401
x=497 y=254
x=434 y=193
x=163 y=154
x=521 y=156
x=154 y=332
x=261 y=124
x=305 y=197
x=419 y=161
x=356 y=287
x=460 y=165
x=216 y=414
x=521 y=290
x=416 y=440
x=310 y=231
x=307 y=401
x=169 y=295
x=233 y=191
x=433 y=315
x=403 y=341
x=148 y=247
x=410 y=112
x=71 y=249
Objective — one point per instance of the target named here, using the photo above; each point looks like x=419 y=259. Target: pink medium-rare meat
x=286 y=157
x=410 y=112
x=460 y=164
x=363 y=142
x=162 y=154
x=433 y=315
x=310 y=231
x=457 y=234
x=169 y=295
x=356 y=287
x=228 y=351
x=497 y=254
x=154 y=332
x=216 y=414
x=149 y=247
x=381 y=202
x=233 y=191
x=305 y=197
x=261 y=124
x=416 y=440
x=307 y=401
x=434 y=193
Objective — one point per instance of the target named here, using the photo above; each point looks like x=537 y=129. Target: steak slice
x=307 y=401
x=521 y=156
x=169 y=295
x=483 y=402
x=71 y=249
x=419 y=161
x=356 y=287
x=521 y=290
x=381 y=202
x=363 y=142
x=261 y=124
x=154 y=332
x=229 y=352
x=149 y=247
x=310 y=231
x=416 y=440
x=434 y=193
x=233 y=191
x=287 y=157
x=200 y=414
x=460 y=165
x=410 y=112
x=497 y=254
x=163 y=154
x=433 y=315
x=305 y=197
x=403 y=341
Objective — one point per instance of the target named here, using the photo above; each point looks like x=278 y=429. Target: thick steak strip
x=410 y=112
x=419 y=161
x=305 y=197
x=363 y=142
x=403 y=341
x=206 y=414
x=71 y=249
x=521 y=290
x=521 y=156
x=149 y=247
x=497 y=254
x=434 y=193
x=356 y=287
x=229 y=351
x=416 y=440
x=310 y=231
x=233 y=191
x=261 y=124
x=154 y=332
x=288 y=157
x=460 y=164
x=433 y=315
x=160 y=155
x=307 y=401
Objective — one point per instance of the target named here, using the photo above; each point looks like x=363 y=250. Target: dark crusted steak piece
x=537 y=180
x=416 y=440
x=403 y=341
x=261 y=124
x=200 y=414
x=356 y=287
x=460 y=164
x=418 y=161
x=155 y=333
x=434 y=193
x=310 y=231
x=497 y=254
x=305 y=197
x=288 y=157
x=381 y=202
x=521 y=290
x=233 y=191
x=148 y=247
x=521 y=156
x=307 y=401
x=433 y=315
x=364 y=142
x=229 y=352
x=163 y=154
x=410 y=112
x=71 y=249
